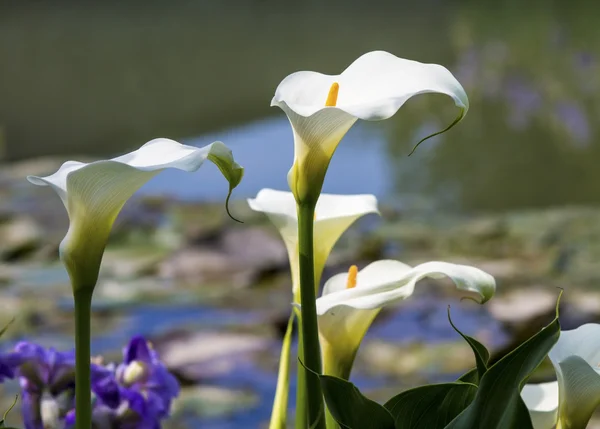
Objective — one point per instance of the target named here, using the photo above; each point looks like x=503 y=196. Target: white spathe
x=345 y=314
x=542 y=401
x=576 y=357
x=94 y=193
x=372 y=88
x=333 y=215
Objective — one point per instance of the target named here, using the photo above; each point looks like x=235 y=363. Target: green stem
x=311 y=357
x=280 y=403
x=83 y=400
x=301 y=416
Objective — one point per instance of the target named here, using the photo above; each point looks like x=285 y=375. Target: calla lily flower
x=351 y=301
x=576 y=357
x=542 y=402
x=333 y=215
x=322 y=108
x=94 y=194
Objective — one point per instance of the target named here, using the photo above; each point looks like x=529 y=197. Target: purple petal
x=6 y=371
x=70 y=419
x=163 y=382
x=105 y=386
x=30 y=410
x=137 y=349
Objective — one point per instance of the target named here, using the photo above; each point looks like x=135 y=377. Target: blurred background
x=513 y=189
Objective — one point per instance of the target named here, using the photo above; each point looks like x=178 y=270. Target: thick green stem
x=83 y=400
x=311 y=356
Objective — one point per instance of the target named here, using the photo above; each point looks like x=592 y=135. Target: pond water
x=266 y=151
x=101 y=80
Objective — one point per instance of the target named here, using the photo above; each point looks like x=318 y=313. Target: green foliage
x=432 y=406
x=498 y=403
x=482 y=356
x=484 y=397
x=350 y=408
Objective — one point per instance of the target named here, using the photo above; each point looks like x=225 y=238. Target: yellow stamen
x=333 y=95
x=352 y=273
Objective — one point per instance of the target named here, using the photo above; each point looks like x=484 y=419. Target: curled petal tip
x=456 y=121
x=227 y=208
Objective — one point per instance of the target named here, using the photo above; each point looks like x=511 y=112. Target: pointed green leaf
x=482 y=355
x=431 y=407
x=280 y=403
x=498 y=403
x=350 y=408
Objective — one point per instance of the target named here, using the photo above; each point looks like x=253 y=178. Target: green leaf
x=498 y=403
x=431 y=407
x=482 y=356
x=471 y=376
x=280 y=403
x=350 y=408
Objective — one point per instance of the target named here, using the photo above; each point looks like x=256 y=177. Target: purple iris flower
x=42 y=369
x=143 y=372
x=135 y=394
x=47 y=380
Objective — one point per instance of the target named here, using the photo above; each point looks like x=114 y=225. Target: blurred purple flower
x=584 y=60
x=468 y=68
x=148 y=383
x=46 y=377
x=136 y=394
x=523 y=100
x=575 y=121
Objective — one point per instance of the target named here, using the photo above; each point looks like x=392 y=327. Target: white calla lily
x=351 y=301
x=94 y=194
x=333 y=215
x=576 y=357
x=542 y=402
x=322 y=108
